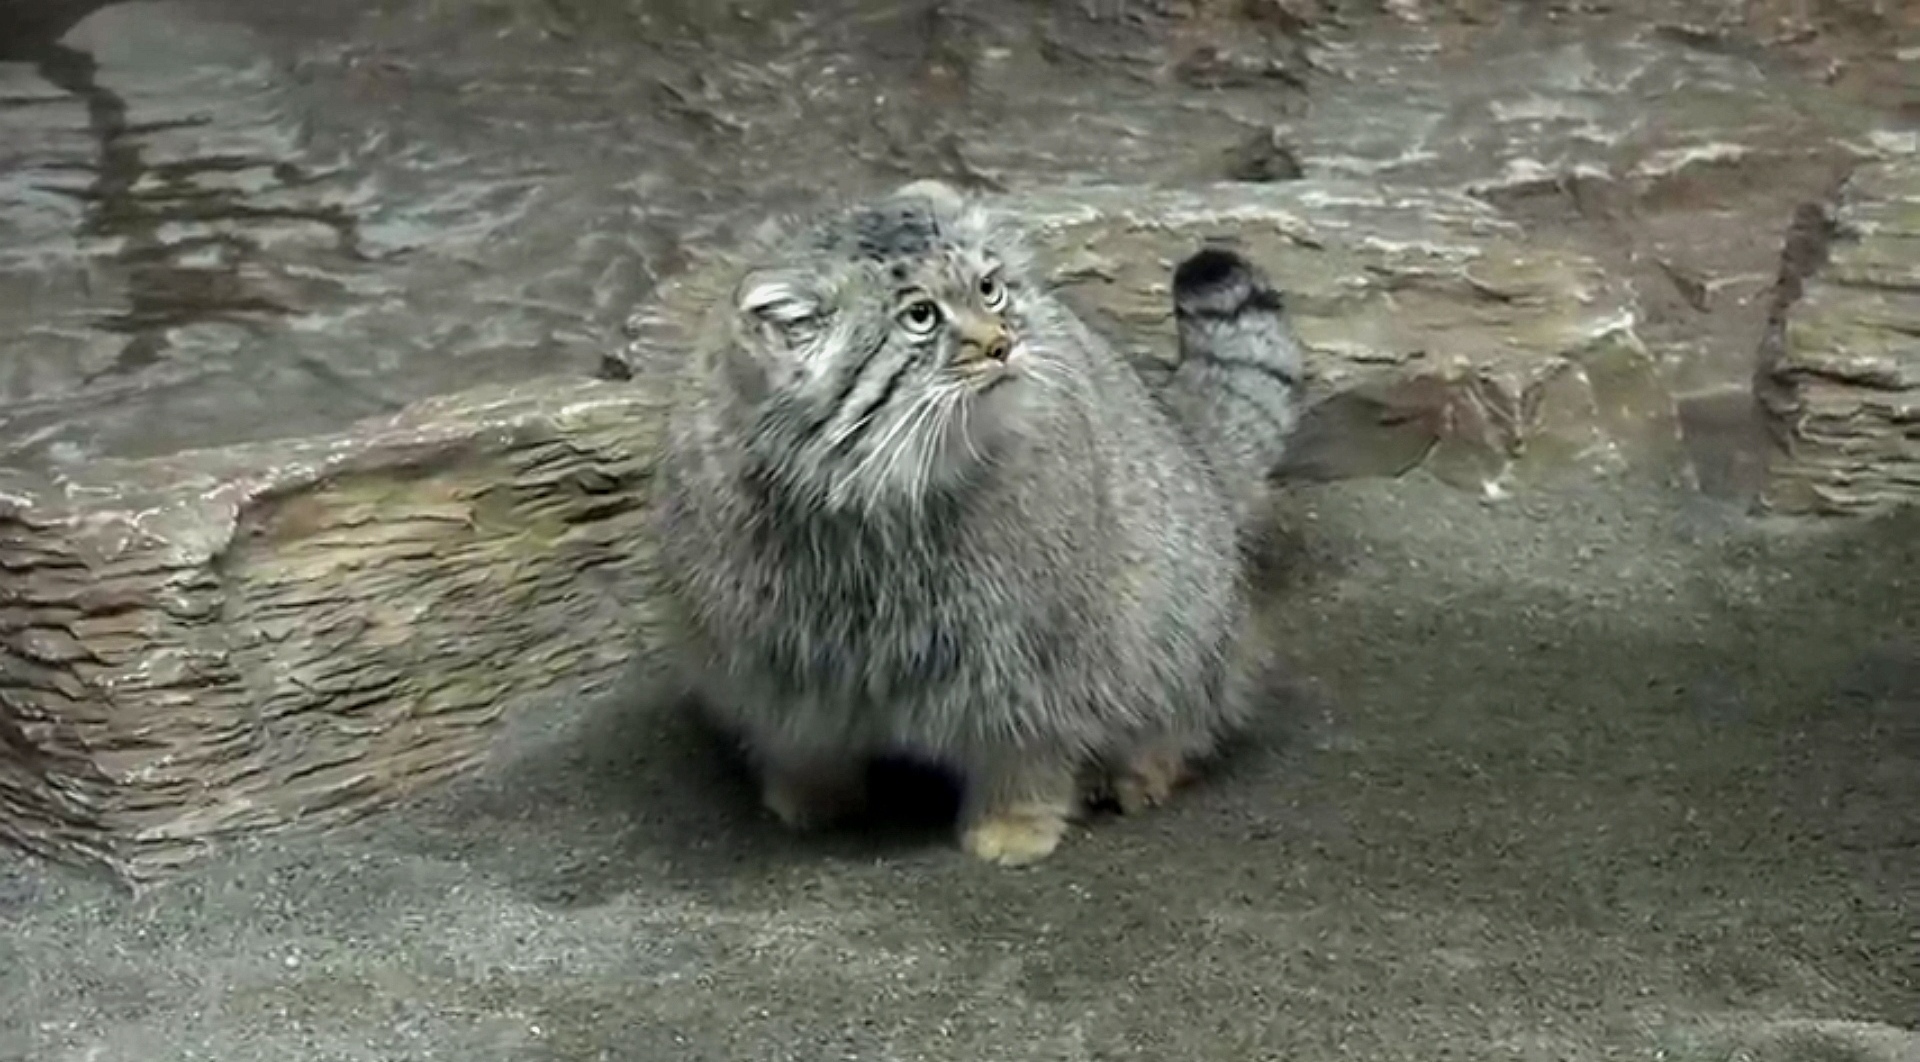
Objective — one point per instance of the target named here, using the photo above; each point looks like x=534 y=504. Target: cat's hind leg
x=813 y=790
x=1147 y=775
x=1147 y=768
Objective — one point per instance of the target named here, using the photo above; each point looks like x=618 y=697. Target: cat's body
x=977 y=541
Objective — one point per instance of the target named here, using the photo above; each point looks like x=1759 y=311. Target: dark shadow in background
x=29 y=28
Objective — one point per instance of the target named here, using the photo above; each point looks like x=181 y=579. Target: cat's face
x=892 y=352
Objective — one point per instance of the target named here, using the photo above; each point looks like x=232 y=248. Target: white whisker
x=925 y=445
x=1052 y=373
x=966 y=431
x=906 y=429
x=846 y=432
x=951 y=399
x=1048 y=380
x=884 y=444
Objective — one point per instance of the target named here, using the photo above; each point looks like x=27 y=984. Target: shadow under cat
x=633 y=783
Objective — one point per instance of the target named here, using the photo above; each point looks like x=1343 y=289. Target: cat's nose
x=982 y=338
x=999 y=346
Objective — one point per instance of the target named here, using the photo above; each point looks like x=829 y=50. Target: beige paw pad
x=1016 y=837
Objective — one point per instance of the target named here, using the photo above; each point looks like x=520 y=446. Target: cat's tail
x=1238 y=389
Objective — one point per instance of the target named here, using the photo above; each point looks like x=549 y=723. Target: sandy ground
x=1603 y=772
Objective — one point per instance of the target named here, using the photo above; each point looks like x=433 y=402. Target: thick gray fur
x=1024 y=576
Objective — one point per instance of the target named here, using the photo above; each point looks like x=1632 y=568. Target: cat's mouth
x=987 y=374
x=992 y=379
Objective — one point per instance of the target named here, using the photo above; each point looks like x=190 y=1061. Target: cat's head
x=889 y=349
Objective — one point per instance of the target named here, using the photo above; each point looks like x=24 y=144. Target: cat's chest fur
x=864 y=609
x=915 y=632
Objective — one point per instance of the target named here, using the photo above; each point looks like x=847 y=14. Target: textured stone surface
x=190 y=257
x=1484 y=354
x=1675 y=167
x=197 y=646
x=239 y=222
x=1843 y=377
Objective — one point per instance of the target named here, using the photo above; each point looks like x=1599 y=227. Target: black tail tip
x=1210 y=267
x=1218 y=278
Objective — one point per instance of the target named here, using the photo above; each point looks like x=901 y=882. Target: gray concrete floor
x=1597 y=772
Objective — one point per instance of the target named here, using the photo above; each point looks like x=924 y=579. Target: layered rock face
x=1841 y=375
x=321 y=445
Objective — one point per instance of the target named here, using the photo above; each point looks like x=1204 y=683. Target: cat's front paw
x=1016 y=836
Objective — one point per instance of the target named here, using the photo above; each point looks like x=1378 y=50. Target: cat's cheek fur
x=959 y=448
x=992 y=422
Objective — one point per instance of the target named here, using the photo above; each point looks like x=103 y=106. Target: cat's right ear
x=782 y=312
x=941 y=194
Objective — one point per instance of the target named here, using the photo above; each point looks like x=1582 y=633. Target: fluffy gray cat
x=911 y=505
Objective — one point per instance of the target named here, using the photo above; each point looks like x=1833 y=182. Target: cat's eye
x=992 y=292
x=921 y=316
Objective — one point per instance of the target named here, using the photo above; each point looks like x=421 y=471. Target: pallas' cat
x=912 y=506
